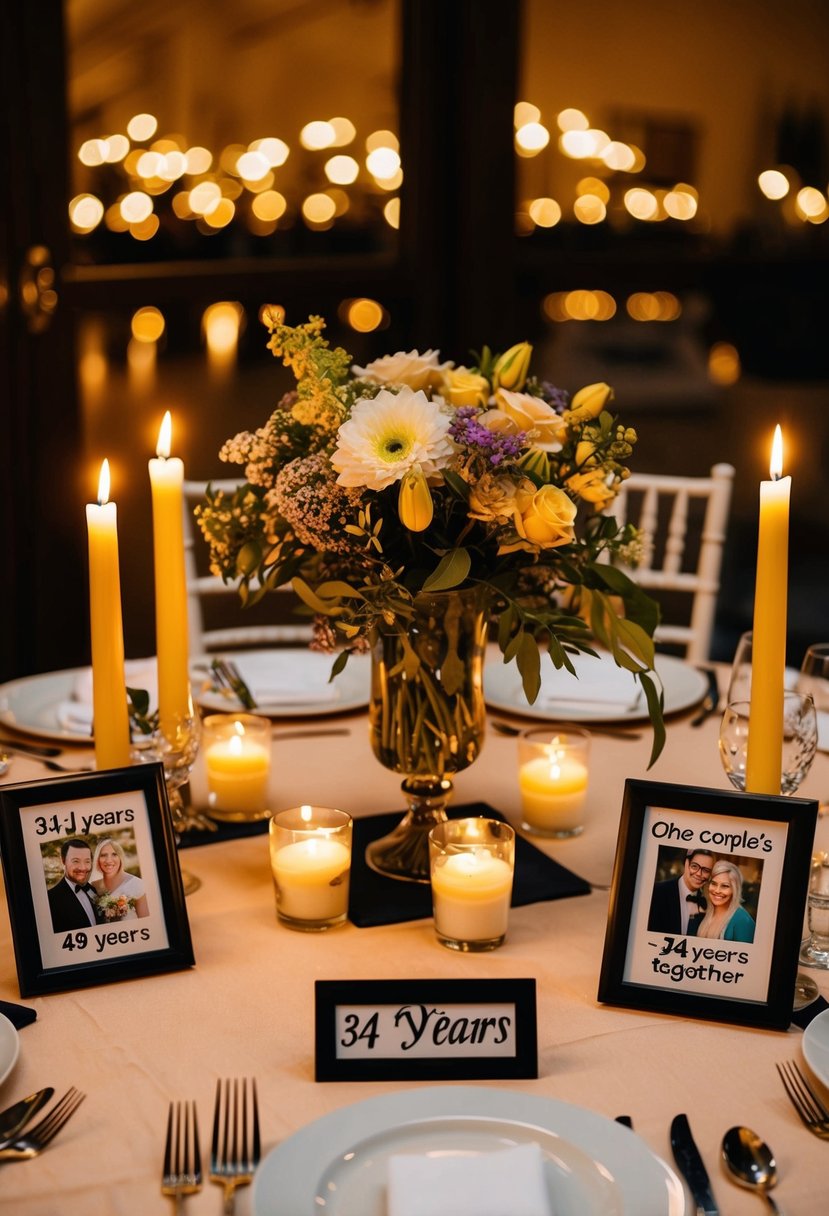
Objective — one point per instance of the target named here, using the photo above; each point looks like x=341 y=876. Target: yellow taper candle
x=109 y=690
x=764 y=760
x=166 y=479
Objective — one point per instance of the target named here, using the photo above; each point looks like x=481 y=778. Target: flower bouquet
x=377 y=490
x=113 y=907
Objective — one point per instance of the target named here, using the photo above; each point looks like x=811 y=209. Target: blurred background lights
x=641 y=204
x=173 y=166
x=147 y=324
x=382 y=139
x=342 y=169
x=92 y=152
x=85 y=212
x=653 y=306
x=205 y=197
x=390 y=183
x=391 y=212
x=577 y=143
x=619 y=156
x=142 y=127
x=589 y=209
x=680 y=204
x=269 y=206
x=593 y=185
x=316 y=135
x=545 y=212
x=572 y=120
x=532 y=137
x=144 y=230
x=136 y=206
x=364 y=315
x=117 y=147
x=810 y=204
x=114 y=220
x=221 y=215
x=344 y=131
x=524 y=113
x=275 y=151
x=221 y=324
x=724 y=364
x=318 y=209
x=149 y=164
x=773 y=183
x=383 y=163
x=252 y=166
x=340 y=200
x=198 y=160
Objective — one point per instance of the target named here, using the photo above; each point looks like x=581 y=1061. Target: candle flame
x=305 y=813
x=165 y=435
x=776 y=462
x=555 y=771
x=239 y=728
x=103 y=484
x=234 y=745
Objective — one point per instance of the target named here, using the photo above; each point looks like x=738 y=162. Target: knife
x=686 y=1155
x=13 y=1120
x=711 y=699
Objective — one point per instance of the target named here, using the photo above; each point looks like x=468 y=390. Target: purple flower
x=494 y=446
x=558 y=398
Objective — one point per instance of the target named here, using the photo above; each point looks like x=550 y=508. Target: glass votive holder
x=552 y=779
x=311 y=864
x=472 y=862
x=237 y=761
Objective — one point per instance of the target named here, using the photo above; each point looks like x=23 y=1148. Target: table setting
x=450 y=809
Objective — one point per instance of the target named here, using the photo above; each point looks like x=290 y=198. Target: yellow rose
x=463 y=387
x=549 y=518
x=589 y=402
x=520 y=412
x=592 y=486
x=510 y=370
x=493 y=498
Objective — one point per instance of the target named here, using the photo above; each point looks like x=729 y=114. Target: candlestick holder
x=175 y=743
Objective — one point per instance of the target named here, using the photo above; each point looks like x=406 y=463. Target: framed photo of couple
x=707 y=902
x=92 y=879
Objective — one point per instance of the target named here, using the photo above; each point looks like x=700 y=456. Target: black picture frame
x=53 y=951
x=428 y=999
x=749 y=981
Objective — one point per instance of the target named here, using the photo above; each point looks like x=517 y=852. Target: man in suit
x=72 y=901
x=677 y=905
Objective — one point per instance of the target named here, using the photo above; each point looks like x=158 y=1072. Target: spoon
x=506 y=728
x=13 y=1120
x=751 y=1162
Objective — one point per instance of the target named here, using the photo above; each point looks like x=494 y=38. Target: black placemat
x=18 y=1015
x=377 y=900
x=224 y=831
x=802 y=1017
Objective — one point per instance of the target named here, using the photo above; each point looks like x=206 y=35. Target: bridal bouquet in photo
x=371 y=487
x=113 y=907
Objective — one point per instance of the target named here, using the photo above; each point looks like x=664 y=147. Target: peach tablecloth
x=247 y=1006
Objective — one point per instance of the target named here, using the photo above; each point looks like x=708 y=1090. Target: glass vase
x=427 y=716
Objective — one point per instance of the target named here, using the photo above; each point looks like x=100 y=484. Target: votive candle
x=310 y=850
x=552 y=779
x=472 y=862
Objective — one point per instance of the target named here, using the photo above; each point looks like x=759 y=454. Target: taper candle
x=166 y=479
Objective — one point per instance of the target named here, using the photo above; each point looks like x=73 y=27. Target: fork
x=234 y=1157
x=804 y=1099
x=182 y=1159
x=228 y=676
x=44 y=1132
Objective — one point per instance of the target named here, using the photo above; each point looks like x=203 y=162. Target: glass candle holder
x=472 y=862
x=237 y=760
x=311 y=864
x=815 y=949
x=552 y=779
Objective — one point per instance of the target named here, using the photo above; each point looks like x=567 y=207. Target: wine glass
x=175 y=742
x=739 y=681
x=799 y=747
x=814 y=680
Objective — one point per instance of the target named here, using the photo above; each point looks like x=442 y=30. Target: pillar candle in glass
x=472 y=863
x=552 y=779
x=237 y=761
x=311 y=864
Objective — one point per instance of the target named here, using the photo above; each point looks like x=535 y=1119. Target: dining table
x=246 y=1008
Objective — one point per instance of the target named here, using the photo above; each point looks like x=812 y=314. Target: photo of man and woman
x=93 y=880
x=700 y=893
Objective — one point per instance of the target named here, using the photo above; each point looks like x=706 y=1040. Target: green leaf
x=450 y=571
x=325 y=607
x=528 y=659
x=636 y=640
x=339 y=664
x=456 y=484
x=140 y=700
x=248 y=558
x=337 y=589
x=505 y=627
x=655 y=701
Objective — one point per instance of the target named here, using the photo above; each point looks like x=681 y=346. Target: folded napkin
x=76 y=713
x=823 y=730
x=285 y=677
x=601 y=687
x=506 y=1183
x=18 y=1015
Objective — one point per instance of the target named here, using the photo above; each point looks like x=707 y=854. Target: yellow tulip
x=589 y=402
x=510 y=370
x=414 y=505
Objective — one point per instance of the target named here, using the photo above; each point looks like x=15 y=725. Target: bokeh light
x=147 y=324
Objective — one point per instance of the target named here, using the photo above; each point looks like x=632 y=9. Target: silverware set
x=21 y=1144
x=235 y=1147
x=229 y=679
x=804 y=1099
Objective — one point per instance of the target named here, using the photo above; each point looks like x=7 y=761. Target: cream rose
x=463 y=387
x=405 y=367
x=517 y=412
x=495 y=497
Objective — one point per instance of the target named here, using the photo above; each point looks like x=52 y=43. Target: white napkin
x=76 y=714
x=287 y=677
x=823 y=730
x=601 y=687
x=506 y=1183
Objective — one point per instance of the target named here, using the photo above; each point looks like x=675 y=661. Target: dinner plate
x=684 y=686
x=9 y=1047
x=338 y=1163
x=816 y=1046
x=296 y=678
x=31 y=704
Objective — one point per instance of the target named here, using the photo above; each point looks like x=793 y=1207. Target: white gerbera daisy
x=386 y=435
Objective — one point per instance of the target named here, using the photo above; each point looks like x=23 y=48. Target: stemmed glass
x=175 y=742
x=814 y=680
x=799 y=747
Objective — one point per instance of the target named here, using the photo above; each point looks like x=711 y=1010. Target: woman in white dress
x=112 y=883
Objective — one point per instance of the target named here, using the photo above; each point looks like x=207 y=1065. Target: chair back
x=203 y=586
x=683 y=521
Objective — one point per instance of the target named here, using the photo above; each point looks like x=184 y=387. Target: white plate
x=31 y=704
x=9 y=1047
x=299 y=678
x=337 y=1164
x=816 y=1046
x=684 y=686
